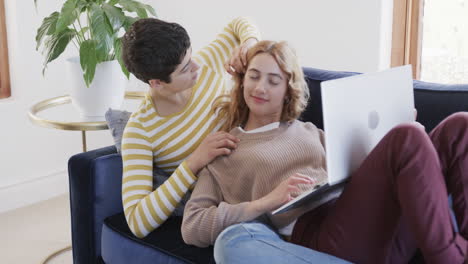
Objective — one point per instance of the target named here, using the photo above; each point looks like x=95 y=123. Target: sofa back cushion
x=433 y=101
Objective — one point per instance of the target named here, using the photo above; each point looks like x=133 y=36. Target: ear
x=155 y=84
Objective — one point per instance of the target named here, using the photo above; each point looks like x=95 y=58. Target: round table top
x=79 y=124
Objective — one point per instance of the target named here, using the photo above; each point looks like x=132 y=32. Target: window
x=432 y=36
x=444 y=56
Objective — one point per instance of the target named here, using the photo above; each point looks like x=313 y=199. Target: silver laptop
x=357 y=112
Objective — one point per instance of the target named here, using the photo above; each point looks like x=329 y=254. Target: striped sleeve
x=217 y=52
x=145 y=209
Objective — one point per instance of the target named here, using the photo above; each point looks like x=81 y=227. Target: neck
x=254 y=121
x=167 y=104
x=178 y=98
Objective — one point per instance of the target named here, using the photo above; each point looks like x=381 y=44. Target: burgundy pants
x=396 y=201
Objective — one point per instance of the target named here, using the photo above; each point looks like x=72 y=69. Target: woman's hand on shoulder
x=214 y=145
x=238 y=61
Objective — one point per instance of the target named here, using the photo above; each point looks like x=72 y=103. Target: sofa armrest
x=95 y=179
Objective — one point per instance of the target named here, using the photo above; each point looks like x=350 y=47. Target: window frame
x=407 y=34
x=5 y=88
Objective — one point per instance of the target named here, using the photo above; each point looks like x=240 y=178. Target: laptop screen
x=358 y=111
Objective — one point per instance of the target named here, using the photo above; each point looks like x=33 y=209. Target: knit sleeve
x=145 y=209
x=206 y=215
x=322 y=138
x=217 y=52
x=310 y=127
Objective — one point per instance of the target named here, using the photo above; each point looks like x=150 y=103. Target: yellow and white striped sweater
x=168 y=140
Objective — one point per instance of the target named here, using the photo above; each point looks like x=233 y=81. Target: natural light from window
x=444 y=56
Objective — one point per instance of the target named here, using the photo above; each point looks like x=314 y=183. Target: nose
x=195 y=66
x=260 y=87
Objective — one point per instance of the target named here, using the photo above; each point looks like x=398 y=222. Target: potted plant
x=94 y=28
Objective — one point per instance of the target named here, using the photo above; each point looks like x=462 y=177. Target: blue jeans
x=255 y=242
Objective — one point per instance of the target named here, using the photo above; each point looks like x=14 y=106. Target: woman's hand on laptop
x=283 y=193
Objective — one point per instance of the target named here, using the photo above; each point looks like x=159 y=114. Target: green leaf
x=118 y=56
x=101 y=31
x=128 y=5
x=55 y=44
x=83 y=32
x=82 y=6
x=47 y=28
x=129 y=21
x=141 y=12
x=115 y=15
x=68 y=15
x=88 y=60
x=150 y=9
x=133 y=6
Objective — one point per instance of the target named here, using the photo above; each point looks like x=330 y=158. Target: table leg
x=56 y=253
x=83 y=139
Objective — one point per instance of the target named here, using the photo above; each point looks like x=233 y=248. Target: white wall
x=33 y=160
x=328 y=34
x=332 y=34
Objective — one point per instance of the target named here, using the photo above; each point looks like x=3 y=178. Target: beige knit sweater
x=260 y=162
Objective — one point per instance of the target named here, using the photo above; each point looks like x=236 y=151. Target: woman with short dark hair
x=174 y=129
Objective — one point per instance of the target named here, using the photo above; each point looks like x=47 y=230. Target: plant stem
x=76 y=45
x=81 y=27
x=77 y=35
x=89 y=26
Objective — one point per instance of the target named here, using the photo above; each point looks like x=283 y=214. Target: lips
x=258 y=99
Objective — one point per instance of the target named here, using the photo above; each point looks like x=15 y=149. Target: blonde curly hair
x=234 y=107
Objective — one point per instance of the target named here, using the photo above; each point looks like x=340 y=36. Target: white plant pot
x=107 y=89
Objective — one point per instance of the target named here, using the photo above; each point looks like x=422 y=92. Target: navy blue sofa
x=99 y=230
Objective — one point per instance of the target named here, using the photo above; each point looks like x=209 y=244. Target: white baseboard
x=33 y=191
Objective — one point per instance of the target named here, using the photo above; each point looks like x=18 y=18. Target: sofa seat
x=164 y=245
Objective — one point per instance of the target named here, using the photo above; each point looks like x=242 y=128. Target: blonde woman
x=394 y=203
x=275 y=150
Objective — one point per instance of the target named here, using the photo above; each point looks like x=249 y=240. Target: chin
x=189 y=87
x=258 y=111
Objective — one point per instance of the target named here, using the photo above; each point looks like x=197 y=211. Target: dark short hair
x=153 y=48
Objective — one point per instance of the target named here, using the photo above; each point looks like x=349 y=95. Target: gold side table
x=78 y=125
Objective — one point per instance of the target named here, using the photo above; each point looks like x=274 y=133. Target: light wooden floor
x=29 y=234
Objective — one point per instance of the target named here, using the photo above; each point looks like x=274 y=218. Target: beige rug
x=32 y=233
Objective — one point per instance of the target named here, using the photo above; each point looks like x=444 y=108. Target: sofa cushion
x=433 y=101
x=436 y=101
x=163 y=245
x=313 y=78
x=116 y=121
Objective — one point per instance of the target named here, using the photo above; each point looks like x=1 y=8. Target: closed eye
x=186 y=67
x=274 y=80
